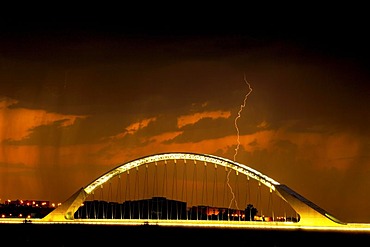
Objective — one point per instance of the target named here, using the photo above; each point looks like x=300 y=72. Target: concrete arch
x=309 y=213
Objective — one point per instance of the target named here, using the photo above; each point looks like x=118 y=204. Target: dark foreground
x=98 y=235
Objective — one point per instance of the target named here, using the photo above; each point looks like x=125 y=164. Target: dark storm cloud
x=62 y=61
x=77 y=45
x=119 y=89
x=162 y=124
x=42 y=135
x=93 y=129
x=313 y=91
x=204 y=129
x=82 y=70
x=144 y=136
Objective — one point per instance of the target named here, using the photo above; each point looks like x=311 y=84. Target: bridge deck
x=350 y=227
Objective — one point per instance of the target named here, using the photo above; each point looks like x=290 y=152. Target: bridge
x=191 y=189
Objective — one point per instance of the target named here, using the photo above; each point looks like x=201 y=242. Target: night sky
x=80 y=96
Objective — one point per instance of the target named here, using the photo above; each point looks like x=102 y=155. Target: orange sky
x=78 y=100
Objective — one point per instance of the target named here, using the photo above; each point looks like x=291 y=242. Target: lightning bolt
x=238 y=139
x=239 y=115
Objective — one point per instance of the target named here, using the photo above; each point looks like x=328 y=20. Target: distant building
x=25 y=209
x=154 y=208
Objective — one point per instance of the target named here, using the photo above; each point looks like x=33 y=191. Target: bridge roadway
x=253 y=225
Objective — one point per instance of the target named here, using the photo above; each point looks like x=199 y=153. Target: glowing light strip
x=352 y=227
x=267 y=181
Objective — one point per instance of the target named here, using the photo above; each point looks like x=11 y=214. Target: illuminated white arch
x=269 y=182
x=309 y=213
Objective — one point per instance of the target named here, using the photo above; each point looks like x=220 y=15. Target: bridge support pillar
x=68 y=208
x=309 y=213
